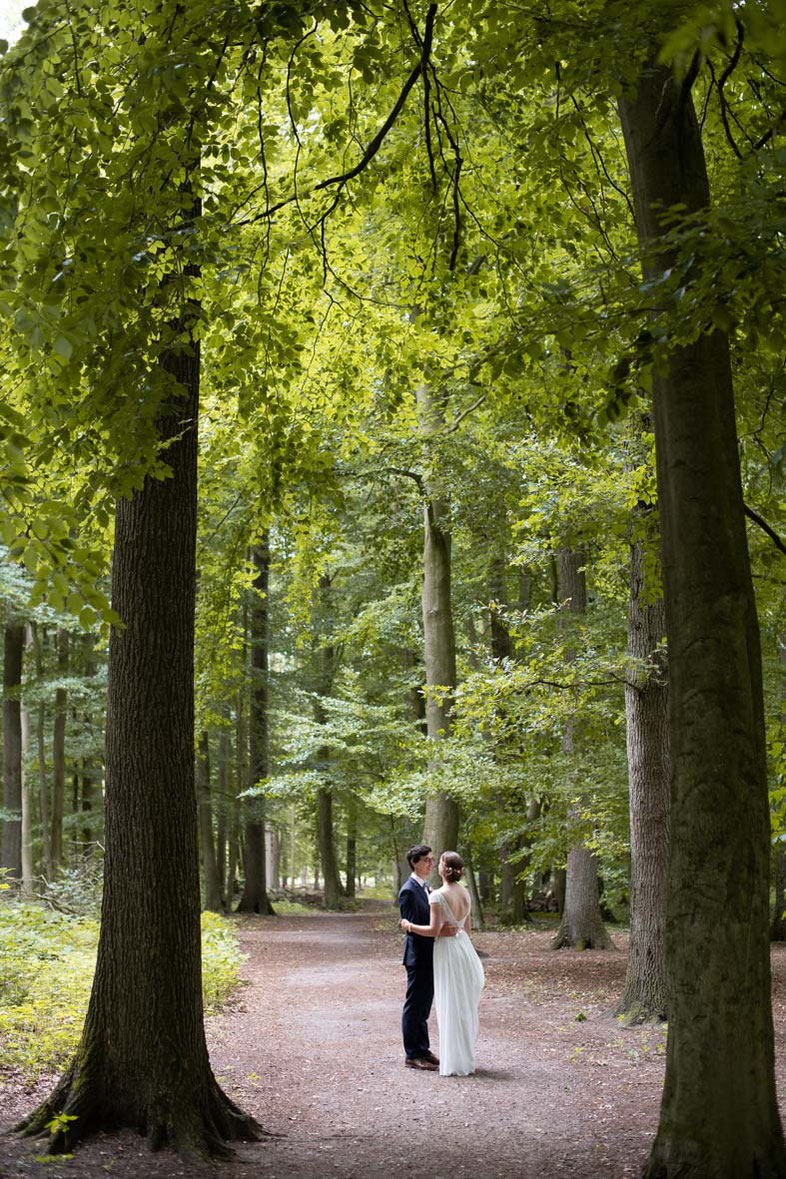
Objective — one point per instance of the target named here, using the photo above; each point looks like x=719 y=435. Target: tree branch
x=373 y=147
x=765 y=527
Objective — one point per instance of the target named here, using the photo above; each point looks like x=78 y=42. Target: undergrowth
x=47 y=959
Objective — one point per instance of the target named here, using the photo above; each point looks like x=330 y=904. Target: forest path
x=311 y=1046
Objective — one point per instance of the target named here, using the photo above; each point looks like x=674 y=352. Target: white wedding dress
x=458 y=981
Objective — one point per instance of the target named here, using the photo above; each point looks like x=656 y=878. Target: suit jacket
x=414 y=905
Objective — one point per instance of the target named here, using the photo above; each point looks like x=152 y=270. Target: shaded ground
x=311 y=1046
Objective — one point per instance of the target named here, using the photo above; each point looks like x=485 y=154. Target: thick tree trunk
x=13 y=649
x=58 y=754
x=212 y=881
x=142 y=1061
x=581 y=926
x=254 y=898
x=442 y=816
x=649 y=776
x=719 y=1114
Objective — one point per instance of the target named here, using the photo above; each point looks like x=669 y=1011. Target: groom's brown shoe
x=424 y=1064
x=431 y=1057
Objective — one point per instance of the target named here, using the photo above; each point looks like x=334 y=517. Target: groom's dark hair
x=417 y=853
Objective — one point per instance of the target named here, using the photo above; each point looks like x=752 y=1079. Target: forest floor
x=310 y=1044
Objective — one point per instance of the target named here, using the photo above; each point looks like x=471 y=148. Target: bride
x=458 y=972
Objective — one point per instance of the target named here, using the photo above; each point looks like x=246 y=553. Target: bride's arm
x=433 y=927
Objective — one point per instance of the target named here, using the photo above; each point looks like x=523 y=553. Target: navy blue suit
x=419 y=961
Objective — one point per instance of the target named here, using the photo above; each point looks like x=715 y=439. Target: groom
x=419 y=960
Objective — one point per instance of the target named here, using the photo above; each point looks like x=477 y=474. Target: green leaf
x=63 y=347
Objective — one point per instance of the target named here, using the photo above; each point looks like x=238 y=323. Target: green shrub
x=47 y=961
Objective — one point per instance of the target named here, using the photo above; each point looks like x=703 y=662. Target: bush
x=47 y=960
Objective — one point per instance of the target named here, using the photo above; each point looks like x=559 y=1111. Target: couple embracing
x=441 y=963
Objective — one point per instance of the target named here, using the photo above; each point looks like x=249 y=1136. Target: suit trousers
x=417 y=1007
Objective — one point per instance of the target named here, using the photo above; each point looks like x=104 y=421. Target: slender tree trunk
x=326 y=669
x=13 y=649
x=212 y=881
x=442 y=815
x=649 y=775
x=58 y=754
x=581 y=927
x=142 y=1060
x=477 y=904
x=254 y=898
x=719 y=1113
x=91 y=767
x=43 y=786
x=292 y=844
x=352 y=837
x=778 y=927
x=28 y=862
x=223 y=809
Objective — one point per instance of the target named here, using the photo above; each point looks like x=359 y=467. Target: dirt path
x=311 y=1046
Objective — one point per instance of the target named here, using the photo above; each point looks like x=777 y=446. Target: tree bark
x=326 y=657
x=224 y=803
x=442 y=815
x=581 y=926
x=28 y=862
x=254 y=898
x=142 y=1060
x=645 y=996
x=719 y=1114
x=350 y=889
x=212 y=881
x=778 y=927
x=58 y=755
x=11 y=847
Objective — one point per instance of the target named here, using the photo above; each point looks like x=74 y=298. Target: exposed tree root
x=197 y=1131
x=633 y=1013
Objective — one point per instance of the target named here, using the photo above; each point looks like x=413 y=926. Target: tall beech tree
x=645 y=995
x=581 y=926
x=439 y=640
x=142 y=1060
x=719 y=1114
x=254 y=898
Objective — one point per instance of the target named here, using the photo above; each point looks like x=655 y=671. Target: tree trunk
x=91 y=769
x=326 y=668
x=58 y=755
x=350 y=889
x=272 y=856
x=327 y=851
x=11 y=848
x=719 y=1114
x=212 y=881
x=442 y=816
x=254 y=898
x=778 y=927
x=649 y=774
x=142 y=1061
x=28 y=862
x=223 y=809
x=581 y=927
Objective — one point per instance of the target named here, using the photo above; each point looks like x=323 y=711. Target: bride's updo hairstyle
x=453 y=866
